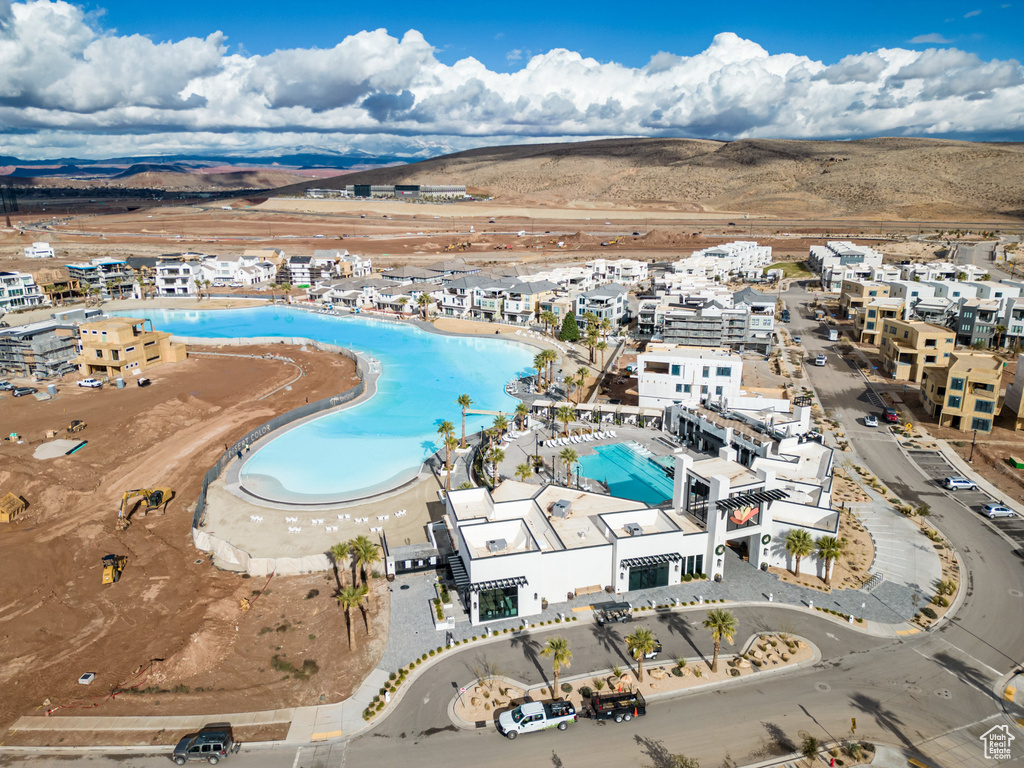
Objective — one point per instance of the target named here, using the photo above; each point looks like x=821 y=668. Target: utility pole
x=973 y=442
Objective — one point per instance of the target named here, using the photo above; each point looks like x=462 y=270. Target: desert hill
x=891 y=178
x=172 y=179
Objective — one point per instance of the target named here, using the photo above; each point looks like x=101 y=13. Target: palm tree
x=606 y=325
x=365 y=553
x=445 y=429
x=524 y=471
x=522 y=411
x=568 y=457
x=464 y=401
x=557 y=648
x=450 y=444
x=207 y=284
x=401 y=305
x=500 y=424
x=581 y=381
x=349 y=598
x=601 y=347
x=590 y=341
x=424 y=301
x=550 y=320
x=495 y=456
x=197 y=281
x=550 y=357
x=640 y=643
x=566 y=415
x=829 y=549
x=798 y=544
x=540 y=363
x=722 y=624
x=338 y=553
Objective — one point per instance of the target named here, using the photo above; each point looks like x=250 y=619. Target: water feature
x=629 y=471
x=379 y=443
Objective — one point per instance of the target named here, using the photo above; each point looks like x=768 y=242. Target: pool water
x=629 y=471
x=381 y=442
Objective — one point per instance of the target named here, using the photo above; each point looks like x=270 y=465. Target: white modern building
x=624 y=271
x=39 y=251
x=526 y=544
x=18 y=290
x=178 y=278
x=669 y=374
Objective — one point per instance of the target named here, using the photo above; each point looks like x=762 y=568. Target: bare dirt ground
x=172 y=624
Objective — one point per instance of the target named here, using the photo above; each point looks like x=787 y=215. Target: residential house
x=909 y=346
x=18 y=290
x=668 y=373
x=121 y=346
x=178 y=278
x=39 y=251
x=106 y=278
x=57 y=286
x=964 y=393
x=411 y=275
x=461 y=295
x=840 y=260
x=622 y=271
x=606 y=302
x=854 y=294
x=1015 y=394
x=977 y=322
x=869 y=318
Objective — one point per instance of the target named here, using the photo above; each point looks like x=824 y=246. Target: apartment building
x=107 y=278
x=855 y=294
x=461 y=295
x=965 y=393
x=978 y=322
x=840 y=260
x=606 y=302
x=1014 y=397
x=710 y=325
x=18 y=290
x=622 y=271
x=123 y=346
x=869 y=318
x=908 y=347
x=178 y=278
x=43 y=349
x=669 y=374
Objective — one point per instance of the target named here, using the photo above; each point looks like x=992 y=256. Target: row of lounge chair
x=576 y=439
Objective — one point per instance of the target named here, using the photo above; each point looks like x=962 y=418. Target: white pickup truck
x=536 y=716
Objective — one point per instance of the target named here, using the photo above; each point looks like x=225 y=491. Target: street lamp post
x=975 y=440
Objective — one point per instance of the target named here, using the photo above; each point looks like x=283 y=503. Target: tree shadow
x=531 y=650
x=965 y=672
x=779 y=738
x=610 y=640
x=658 y=754
x=676 y=625
x=885 y=718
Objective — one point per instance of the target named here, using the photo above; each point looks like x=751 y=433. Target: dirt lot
x=172 y=625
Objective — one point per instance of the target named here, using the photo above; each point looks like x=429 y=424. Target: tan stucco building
x=122 y=346
x=965 y=394
x=909 y=346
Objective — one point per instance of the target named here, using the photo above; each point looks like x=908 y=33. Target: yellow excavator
x=112 y=567
x=153 y=497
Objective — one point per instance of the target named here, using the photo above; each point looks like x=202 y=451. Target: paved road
x=934 y=693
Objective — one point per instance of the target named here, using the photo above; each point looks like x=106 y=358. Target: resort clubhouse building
x=523 y=544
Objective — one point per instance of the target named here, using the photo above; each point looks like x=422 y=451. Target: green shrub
x=586 y=691
x=392 y=676
x=432 y=651
x=688 y=577
x=566 y=688
x=312 y=637
x=312 y=593
x=929 y=613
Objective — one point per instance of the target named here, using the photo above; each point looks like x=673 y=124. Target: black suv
x=213 y=743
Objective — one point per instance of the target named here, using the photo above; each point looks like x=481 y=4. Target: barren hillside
x=884 y=178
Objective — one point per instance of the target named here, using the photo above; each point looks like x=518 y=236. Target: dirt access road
x=172 y=615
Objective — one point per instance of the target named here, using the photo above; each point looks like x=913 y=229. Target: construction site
x=108 y=607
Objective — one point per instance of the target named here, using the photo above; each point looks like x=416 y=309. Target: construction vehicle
x=112 y=567
x=153 y=497
x=76 y=425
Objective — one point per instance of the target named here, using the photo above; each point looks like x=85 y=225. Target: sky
x=118 y=78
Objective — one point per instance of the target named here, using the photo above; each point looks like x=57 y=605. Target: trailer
x=618 y=706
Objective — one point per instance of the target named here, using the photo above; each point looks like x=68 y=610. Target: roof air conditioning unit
x=561 y=508
x=634 y=529
x=497 y=545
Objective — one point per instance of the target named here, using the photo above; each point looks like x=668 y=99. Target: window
x=929 y=359
x=99 y=353
x=704 y=389
x=872 y=313
x=984 y=406
x=906 y=334
x=707 y=371
x=956 y=384
x=687 y=388
x=953 y=402
x=679 y=387
x=499 y=603
x=723 y=371
x=675 y=370
x=982 y=425
x=718 y=390
x=870 y=326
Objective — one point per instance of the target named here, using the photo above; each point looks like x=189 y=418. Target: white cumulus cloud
x=68 y=86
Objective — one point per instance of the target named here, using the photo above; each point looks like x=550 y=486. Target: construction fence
x=226 y=551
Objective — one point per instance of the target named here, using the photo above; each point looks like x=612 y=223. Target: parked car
x=820 y=361
x=992 y=511
x=891 y=415
x=91 y=383
x=611 y=613
x=6 y=386
x=19 y=391
x=797 y=340
x=536 y=716
x=870 y=420
x=959 y=484
x=212 y=743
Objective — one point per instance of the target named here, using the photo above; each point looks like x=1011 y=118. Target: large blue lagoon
x=381 y=442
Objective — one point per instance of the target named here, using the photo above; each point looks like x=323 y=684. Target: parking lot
x=936 y=467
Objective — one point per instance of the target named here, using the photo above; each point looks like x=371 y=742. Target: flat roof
x=736 y=472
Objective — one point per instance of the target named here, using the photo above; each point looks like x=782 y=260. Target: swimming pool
x=381 y=442
x=629 y=471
